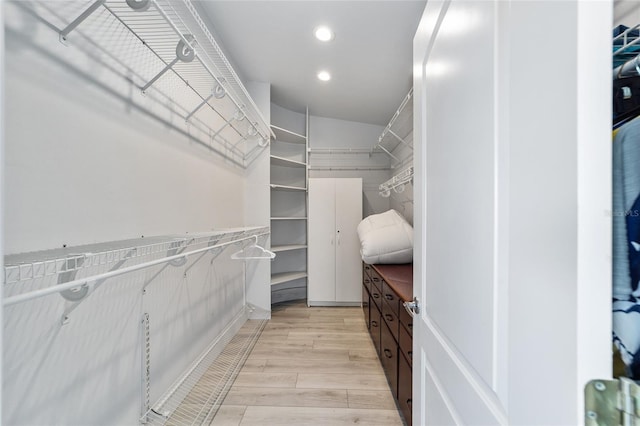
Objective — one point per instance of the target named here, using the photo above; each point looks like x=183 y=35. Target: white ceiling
x=369 y=59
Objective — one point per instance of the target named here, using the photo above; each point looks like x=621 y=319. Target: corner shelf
x=289 y=247
x=289 y=160
x=287 y=188
x=284 y=135
x=287 y=277
x=285 y=162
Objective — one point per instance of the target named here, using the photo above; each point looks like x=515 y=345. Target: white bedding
x=386 y=238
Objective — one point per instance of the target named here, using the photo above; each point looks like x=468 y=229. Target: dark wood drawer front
x=389 y=358
x=389 y=316
x=376 y=295
x=405 y=388
x=366 y=270
x=406 y=320
x=405 y=343
x=365 y=306
x=390 y=297
x=376 y=280
x=366 y=281
x=376 y=324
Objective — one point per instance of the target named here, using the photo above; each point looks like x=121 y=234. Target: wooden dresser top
x=399 y=278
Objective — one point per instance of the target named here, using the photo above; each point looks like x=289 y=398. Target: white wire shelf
x=286 y=277
x=164 y=48
x=398 y=131
x=95 y=263
x=397 y=183
x=284 y=135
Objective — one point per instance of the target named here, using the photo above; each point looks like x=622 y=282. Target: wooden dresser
x=384 y=289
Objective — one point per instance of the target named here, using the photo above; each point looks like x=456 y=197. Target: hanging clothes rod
x=90 y=281
x=368 y=168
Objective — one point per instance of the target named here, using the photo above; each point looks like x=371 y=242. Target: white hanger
x=253 y=251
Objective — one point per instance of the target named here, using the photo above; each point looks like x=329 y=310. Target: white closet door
x=322 y=240
x=348 y=260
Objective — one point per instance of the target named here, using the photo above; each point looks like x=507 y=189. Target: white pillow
x=386 y=238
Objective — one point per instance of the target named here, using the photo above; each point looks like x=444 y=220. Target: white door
x=512 y=175
x=348 y=260
x=322 y=240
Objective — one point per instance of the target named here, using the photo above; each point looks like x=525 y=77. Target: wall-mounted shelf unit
x=396 y=139
x=289 y=183
x=164 y=49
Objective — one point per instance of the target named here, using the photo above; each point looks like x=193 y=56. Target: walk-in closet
x=403 y=212
x=164 y=210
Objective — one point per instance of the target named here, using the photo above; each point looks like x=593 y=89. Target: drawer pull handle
x=375 y=279
x=410 y=325
x=376 y=296
x=409 y=402
x=388 y=353
x=389 y=296
x=374 y=323
x=389 y=317
x=410 y=353
x=367 y=280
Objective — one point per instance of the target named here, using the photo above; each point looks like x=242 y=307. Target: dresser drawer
x=390 y=317
x=405 y=389
x=406 y=320
x=376 y=295
x=376 y=281
x=366 y=281
x=390 y=297
x=389 y=358
x=405 y=343
x=375 y=325
x=366 y=270
x=365 y=306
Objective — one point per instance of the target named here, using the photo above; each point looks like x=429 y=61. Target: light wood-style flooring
x=311 y=366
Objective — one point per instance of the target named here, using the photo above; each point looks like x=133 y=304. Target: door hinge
x=612 y=403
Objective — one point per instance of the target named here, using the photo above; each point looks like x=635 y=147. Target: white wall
x=327 y=133
x=84 y=166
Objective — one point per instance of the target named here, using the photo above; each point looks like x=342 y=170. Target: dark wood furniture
x=384 y=289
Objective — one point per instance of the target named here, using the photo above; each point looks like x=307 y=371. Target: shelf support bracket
x=154 y=79
x=400 y=139
x=388 y=153
x=84 y=15
x=184 y=53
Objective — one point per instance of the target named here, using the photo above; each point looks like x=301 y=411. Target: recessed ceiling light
x=324 y=76
x=323 y=33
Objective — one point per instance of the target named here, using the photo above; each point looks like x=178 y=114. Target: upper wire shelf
x=164 y=48
x=398 y=131
x=69 y=261
x=397 y=183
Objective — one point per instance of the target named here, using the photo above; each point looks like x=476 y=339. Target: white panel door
x=348 y=260
x=322 y=240
x=511 y=181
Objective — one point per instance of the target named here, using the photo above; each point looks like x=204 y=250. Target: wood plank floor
x=311 y=366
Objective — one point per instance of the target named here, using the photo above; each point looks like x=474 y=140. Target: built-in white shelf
x=289 y=247
x=284 y=135
x=289 y=218
x=286 y=277
x=285 y=162
x=287 y=188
